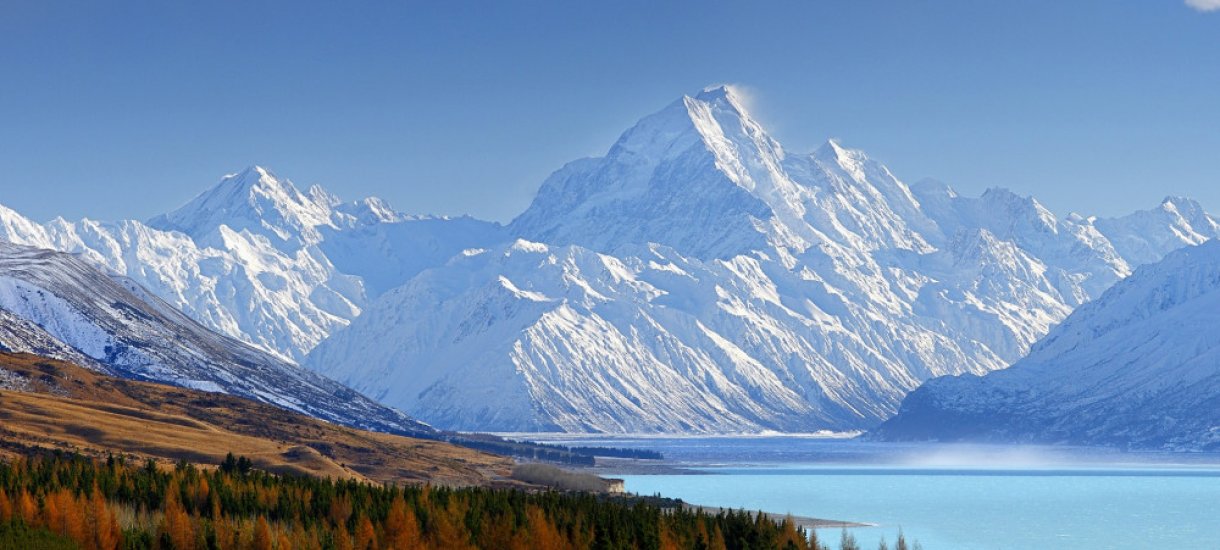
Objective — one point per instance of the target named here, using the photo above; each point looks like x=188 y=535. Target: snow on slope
x=1139 y=367
x=700 y=278
x=251 y=257
x=55 y=304
x=771 y=290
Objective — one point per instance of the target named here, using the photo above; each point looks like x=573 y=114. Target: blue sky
x=127 y=109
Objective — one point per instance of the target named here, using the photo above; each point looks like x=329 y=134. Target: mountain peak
x=253 y=171
x=833 y=150
x=239 y=185
x=1182 y=205
x=251 y=177
x=700 y=171
x=255 y=200
x=725 y=94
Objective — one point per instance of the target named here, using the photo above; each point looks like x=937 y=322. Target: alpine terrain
x=698 y=277
x=1135 y=368
x=55 y=305
x=256 y=259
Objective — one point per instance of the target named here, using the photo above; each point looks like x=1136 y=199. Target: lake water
x=950 y=497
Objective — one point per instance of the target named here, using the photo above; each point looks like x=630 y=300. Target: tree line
x=119 y=504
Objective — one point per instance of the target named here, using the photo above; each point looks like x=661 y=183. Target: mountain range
x=698 y=277
x=56 y=305
x=1135 y=368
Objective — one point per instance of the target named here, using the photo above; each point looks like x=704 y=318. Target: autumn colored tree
x=543 y=532
x=716 y=542
x=262 y=534
x=27 y=509
x=448 y=532
x=340 y=510
x=791 y=536
x=6 y=507
x=189 y=507
x=107 y=535
x=401 y=528
x=50 y=516
x=366 y=536
x=176 y=525
x=341 y=540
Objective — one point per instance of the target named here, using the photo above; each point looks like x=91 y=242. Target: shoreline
x=609 y=468
x=801 y=521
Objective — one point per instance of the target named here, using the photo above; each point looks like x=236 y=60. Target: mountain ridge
x=781 y=291
x=1135 y=368
x=124 y=331
x=700 y=278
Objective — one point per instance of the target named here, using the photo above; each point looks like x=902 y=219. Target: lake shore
x=802 y=521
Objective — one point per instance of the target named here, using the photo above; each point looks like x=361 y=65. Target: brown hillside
x=53 y=404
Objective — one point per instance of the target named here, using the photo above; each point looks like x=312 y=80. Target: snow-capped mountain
x=257 y=202
x=700 y=278
x=57 y=305
x=697 y=277
x=251 y=257
x=1138 y=367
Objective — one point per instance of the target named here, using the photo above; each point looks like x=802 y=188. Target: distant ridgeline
x=61 y=501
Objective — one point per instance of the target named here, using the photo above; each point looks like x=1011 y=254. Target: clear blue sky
x=127 y=109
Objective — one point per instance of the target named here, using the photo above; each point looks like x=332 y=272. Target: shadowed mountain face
x=63 y=307
x=1139 y=367
x=698 y=277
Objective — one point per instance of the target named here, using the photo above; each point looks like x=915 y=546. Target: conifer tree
x=26 y=508
x=401 y=528
x=902 y=541
x=6 y=507
x=448 y=533
x=262 y=534
x=366 y=536
x=176 y=525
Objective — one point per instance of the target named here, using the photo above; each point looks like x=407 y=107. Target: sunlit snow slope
x=700 y=278
x=56 y=305
x=257 y=259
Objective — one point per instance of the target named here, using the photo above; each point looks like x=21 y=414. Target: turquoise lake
x=950 y=497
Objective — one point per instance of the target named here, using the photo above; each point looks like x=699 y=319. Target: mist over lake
x=944 y=496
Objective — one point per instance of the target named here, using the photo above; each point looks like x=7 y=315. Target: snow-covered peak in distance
x=1142 y=236
x=257 y=201
x=256 y=258
x=1135 y=368
x=18 y=229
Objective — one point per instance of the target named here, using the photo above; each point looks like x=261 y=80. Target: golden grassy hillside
x=61 y=405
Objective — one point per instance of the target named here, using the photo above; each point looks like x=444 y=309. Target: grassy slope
x=65 y=406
